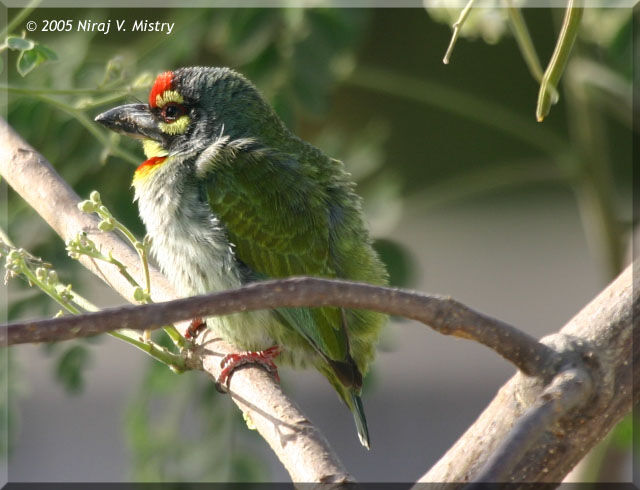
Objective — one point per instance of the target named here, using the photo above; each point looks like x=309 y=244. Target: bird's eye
x=172 y=111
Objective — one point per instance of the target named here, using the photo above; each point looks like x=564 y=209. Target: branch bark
x=444 y=315
x=301 y=448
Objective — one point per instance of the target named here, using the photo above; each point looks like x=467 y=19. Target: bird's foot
x=263 y=357
x=196 y=326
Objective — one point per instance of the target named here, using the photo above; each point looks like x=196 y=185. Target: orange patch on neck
x=147 y=165
x=163 y=82
x=150 y=162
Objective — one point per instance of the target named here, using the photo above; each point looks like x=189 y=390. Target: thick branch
x=602 y=341
x=568 y=390
x=300 y=447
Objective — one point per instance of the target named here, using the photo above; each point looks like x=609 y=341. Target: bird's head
x=189 y=108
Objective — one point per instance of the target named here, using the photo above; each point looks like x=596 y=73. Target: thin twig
x=20 y=262
x=445 y=315
x=525 y=43
x=82 y=118
x=17 y=20
x=456 y=31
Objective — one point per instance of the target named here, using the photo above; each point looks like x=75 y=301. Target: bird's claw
x=264 y=358
x=195 y=327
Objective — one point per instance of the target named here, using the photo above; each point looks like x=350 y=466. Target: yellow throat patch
x=156 y=156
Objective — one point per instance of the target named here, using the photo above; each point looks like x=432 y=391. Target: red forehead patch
x=163 y=82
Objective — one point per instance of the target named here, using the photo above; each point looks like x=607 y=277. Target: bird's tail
x=355 y=405
x=351 y=397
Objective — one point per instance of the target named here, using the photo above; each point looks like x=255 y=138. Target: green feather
x=292 y=215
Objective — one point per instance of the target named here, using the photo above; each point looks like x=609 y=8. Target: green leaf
x=27 y=61
x=31 y=58
x=48 y=53
x=19 y=43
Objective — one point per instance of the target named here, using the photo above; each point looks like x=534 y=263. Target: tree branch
x=601 y=342
x=443 y=314
x=568 y=390
x=300 y=447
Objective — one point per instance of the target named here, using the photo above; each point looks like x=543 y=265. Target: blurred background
x=466 y=194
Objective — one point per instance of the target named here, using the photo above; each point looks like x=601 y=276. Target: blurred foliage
x=186 y=431
x=603 y=26
x=71 y=366
x=368 y=88
x=71 y=361
x=293 y=55
x=9 y=401
x=402 y=268
x=488 y=23
x=622 y=435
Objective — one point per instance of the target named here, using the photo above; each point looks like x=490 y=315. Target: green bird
x=230 y=196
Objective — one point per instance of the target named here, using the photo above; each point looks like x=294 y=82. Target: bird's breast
x=187 y=239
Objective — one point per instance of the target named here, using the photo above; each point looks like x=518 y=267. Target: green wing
x=275 y=213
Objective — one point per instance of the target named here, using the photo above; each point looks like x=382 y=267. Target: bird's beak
x=134 y=120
